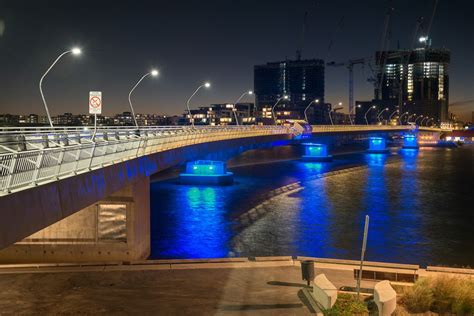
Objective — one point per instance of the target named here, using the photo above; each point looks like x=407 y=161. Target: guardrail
x=356 y=128
x=32 y=157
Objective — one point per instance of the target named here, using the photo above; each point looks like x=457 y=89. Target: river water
x=420 y=204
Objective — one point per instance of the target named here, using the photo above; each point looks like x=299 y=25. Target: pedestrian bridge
x=49 y=174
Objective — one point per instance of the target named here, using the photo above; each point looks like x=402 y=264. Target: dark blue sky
x=194 y=41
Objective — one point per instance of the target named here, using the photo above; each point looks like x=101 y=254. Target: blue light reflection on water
x=195 y=224
x=408 y=222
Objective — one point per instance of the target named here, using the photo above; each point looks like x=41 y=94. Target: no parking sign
x=95 y=102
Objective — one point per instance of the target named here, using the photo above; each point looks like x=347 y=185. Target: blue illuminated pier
x=206 y=172
x=410 y=141
x=377 y=145
x=315 y=152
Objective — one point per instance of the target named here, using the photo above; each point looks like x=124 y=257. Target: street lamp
x=391 y=115
x=306 y=109
x=273 y=108
x=75 y=51
x=372 y=107
x=152 y=73
x=205 y=85
x=431 y=119
x=418 y=118
x=401 y=116
x=409 y=117
x=250 y=92
x=380 y=113
x=421 y=123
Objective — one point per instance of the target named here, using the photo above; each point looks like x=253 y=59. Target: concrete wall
x=114 y=229
x=28 y=211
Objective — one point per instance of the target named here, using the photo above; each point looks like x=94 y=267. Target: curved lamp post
x=206 y=85
x=75 y=51
x=401 y=116
x=380 y=113
x=409 y=117
x=273 y=107
x=365 y=116
x=418 y=118
x=391 y=115
x=306 y=109
x=250 y=92
x=429 y=120
x=153 y=73
x=425 y=118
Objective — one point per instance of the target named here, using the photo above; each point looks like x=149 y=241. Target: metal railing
x=34 y=156
x=356 y=128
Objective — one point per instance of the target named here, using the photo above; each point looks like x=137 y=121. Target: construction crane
x=299 y=51
x=350 y=66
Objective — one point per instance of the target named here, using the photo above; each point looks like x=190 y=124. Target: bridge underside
x=103 y=214
x=27 y=212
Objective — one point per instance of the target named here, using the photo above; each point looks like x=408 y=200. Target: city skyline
x=196 y=51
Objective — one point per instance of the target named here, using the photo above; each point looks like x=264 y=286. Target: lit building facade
x=420 y=77
x=301 y=80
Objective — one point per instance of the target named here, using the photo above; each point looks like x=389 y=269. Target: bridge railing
x=33 y=157
x=357 y=128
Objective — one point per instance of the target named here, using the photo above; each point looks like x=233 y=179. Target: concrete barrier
x=385 y=298
x=324 y=292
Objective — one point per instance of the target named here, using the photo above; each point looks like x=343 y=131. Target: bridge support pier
x=316 y=152
x=116 y=228
x=377 y=146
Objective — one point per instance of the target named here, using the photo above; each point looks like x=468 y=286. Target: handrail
x=53 y=154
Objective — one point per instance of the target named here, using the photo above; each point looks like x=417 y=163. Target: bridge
x=60 y=183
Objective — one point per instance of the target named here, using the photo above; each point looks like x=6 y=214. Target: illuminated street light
x=250 y=92
x=206 y=85
x=425 y=118
x=401 y=116
x=431 y=119
x=418 y=118
x=372 y=107
x=306 y=109
x=391 y=115
x=380 y=113
x=273 y=108
x=152 y=73
x=409 y=117
x=75 y=51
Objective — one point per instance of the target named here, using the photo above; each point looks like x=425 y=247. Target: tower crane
x=350 y=66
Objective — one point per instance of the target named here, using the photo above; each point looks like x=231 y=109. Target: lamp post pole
x=365 y=116
x=250 y=92
x=401 y=116
x=306 y=109
x=418 y=118
x=153 y=73
x=273 y=107
x=207 y=85
x=380 y=113
x=391 y=115
x=74 y=51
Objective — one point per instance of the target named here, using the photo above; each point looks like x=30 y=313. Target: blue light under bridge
x=410 y=141
x=206 y=172
x=377 y=145
x=315 y=152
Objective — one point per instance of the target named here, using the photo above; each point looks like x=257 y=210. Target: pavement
x=272 y=287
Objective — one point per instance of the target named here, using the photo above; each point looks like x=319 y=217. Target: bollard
x=307 y=270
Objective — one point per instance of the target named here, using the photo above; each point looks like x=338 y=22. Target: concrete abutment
x=116 y=228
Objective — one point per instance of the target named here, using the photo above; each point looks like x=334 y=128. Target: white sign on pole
x=95 y=102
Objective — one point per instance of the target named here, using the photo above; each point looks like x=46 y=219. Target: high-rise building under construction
x=419 y=77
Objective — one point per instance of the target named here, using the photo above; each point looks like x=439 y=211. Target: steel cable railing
x=32 y=157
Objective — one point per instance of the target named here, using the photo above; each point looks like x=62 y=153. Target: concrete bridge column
x=116 y=228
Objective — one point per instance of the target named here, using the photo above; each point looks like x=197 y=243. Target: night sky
x=194 y=41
